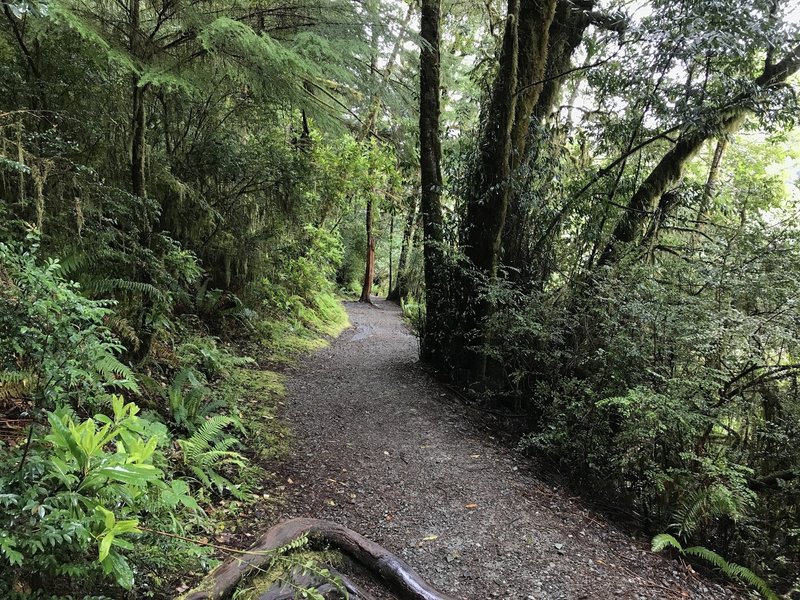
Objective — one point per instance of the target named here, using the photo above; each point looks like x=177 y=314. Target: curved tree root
x=401 y=578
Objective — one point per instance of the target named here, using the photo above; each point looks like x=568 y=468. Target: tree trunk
x=668 y=172
x=138 y=141
x=369 y=269
x=434 y=337
x=710 y=188
x=391 y=254
x=536 y=20
x=487 y=195
x=401 y=289
x=515 y=92
x=138 y=122
x=567 y=26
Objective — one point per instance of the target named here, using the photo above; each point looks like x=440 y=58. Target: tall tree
x=430 y=152
x=368 y=130
x=515 y=92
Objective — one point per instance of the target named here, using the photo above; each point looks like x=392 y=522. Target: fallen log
x=400 y=577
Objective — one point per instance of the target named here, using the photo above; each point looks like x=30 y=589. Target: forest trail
x=385 y=450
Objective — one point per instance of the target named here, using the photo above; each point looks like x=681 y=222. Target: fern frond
x=747 y=576
x=665 y=540
x=205 y=437
x=704 y=504
x=72 y=262
x=138 y=287
x=296 y=544
x=122 y=329
x=14 y=384
x=207 y=449
x=115 y=372
x=709 y=556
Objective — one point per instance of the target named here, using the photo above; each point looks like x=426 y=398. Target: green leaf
x=131 y=474
x=665 y=540
x=105 y=546
x=116 y=564
x=66 y=439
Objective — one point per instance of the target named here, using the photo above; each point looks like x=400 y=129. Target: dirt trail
x=383 y=449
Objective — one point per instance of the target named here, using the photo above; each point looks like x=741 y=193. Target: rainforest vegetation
x=587 y=208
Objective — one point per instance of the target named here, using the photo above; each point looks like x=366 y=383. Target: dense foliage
x=595 y=225
x=173 y=178
x=621 y=264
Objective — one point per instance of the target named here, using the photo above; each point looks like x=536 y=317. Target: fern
x=709 y=556
x=208 y=449
x=111 y=285
x=665 y=540
x=14 y=384
x=122 y=328
x=296 y=544
x=72 y=263
x=732 y=571
x=706 y=503
x=114 y=371
x=187 y=401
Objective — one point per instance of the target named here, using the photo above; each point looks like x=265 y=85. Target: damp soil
x=383 y=448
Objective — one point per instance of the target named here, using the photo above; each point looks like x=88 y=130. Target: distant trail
x=383 y=449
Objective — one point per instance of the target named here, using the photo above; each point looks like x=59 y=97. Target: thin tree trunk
x=391 y=243
x=401 y=289
x=367 y=130
x=369 y=269
x=138 y=175
x=710 y=188
x=138 y=141
x=138 y=122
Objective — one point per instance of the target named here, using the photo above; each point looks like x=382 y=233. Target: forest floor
x=381 y=447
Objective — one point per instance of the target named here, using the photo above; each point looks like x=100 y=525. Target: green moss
x=261 y=395
x=304 y=329
x=281 y=569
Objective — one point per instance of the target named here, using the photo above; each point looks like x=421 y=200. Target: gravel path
x=384 y=449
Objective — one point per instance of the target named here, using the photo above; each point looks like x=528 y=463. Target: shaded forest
x=588 y=210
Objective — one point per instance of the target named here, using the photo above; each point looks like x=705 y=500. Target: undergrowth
x=122 y=477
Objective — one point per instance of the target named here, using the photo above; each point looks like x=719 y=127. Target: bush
x=74 y=498
x=55 y=345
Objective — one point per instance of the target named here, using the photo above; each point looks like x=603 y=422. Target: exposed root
x=401 y=578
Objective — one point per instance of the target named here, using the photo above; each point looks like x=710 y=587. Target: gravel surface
x=384 y=449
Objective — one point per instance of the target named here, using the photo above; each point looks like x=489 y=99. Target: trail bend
x=383 y=449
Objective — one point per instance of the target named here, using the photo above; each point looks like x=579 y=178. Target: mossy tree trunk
x=434 y=339
x=515 y=93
